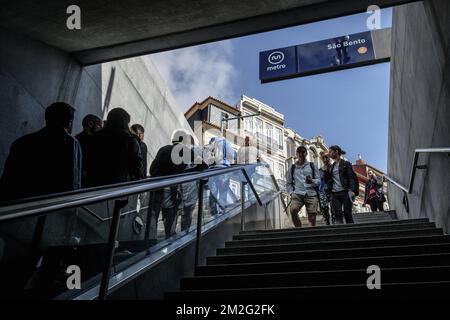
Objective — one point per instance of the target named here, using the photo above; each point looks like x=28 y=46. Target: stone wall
x=419 y=115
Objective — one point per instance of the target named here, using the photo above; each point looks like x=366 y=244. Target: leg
x=170 y=221
x=324 y=208
x=336 y=204
x=373 y=205
x=154 y=208
x=311 y=204
x=296 y=206
x=186 y=218
x=347 y=208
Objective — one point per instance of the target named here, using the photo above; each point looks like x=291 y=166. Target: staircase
x=327 y=262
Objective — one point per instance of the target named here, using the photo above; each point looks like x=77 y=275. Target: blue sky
x=348 y=108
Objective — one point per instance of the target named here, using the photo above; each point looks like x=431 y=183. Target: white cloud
x=195 y=73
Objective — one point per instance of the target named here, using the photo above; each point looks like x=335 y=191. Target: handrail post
x=114 y=230
x=199 y=221
x=265 y=217
x=243 y=184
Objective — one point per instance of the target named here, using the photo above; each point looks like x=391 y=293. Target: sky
x=348 y=107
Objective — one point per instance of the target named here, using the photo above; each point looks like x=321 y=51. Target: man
x=372 y=196
x=91 y=124
x=343 y=184
x=139 y=131
x=303 y=181
x=116 y=155
x=170 y=160
x=44 y=162
x=323 y=190
x=220 y=193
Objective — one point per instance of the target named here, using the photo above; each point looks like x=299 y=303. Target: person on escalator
x=173 y=159
x=223 y=156
x=52 y=154
x=116 y=155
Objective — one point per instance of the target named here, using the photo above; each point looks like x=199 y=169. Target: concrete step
x=369 y=243
x=392 y=233
x=332 y=231
x=329 y=254
x=415 y=290
x=421 y=260
x=333 y=227
x=316 y=278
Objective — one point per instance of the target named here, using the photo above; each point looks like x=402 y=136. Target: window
x=279 y=138
x=269 y=129
x=280 y=171
x=270 y=162
x=258 y=128
x=248 y=123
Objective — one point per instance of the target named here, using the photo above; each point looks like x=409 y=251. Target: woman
x=372 y=196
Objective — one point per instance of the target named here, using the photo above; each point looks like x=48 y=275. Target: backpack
x=313 y=169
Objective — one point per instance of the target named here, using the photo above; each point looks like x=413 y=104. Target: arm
x=136 y=162
x=354 y=183
x=154 y=167
x=316 y=181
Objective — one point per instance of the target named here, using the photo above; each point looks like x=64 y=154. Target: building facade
x=267 y=132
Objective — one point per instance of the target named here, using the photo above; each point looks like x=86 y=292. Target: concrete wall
x=33 y=75
x=419 y=115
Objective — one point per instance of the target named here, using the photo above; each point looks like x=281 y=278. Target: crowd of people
x=332 y=189
x=111 y=151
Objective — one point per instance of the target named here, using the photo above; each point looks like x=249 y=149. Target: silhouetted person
x=116 y=155
x=170 y=160
x=91 y=124
x=47 y=161
x=139 y=131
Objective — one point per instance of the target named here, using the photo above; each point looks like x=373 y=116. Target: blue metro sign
x=317 y=57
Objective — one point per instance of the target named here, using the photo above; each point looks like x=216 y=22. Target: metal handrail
x=86 y=197
x=415 y=166
x=119 y=192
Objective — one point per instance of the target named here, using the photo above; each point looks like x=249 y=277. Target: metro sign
x=328 y=55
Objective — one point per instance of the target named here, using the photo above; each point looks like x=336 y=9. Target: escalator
x=116 y=239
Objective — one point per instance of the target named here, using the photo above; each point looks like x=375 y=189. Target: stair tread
x=331 y=227
x=312 y=231
x=336 y=250
x=244 y=241
x=342 y=242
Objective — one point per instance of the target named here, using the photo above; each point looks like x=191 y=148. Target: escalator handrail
x=38 y=206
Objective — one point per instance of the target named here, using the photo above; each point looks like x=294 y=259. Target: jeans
x=338 y=200
x=375 y=204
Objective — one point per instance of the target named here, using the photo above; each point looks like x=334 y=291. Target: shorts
x=310 y=202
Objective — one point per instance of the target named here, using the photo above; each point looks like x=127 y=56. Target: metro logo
x=276 y=57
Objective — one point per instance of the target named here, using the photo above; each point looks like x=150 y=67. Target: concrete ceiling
x=115 y=29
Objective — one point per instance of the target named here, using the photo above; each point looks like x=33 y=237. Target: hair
x=301 y=148
x=337 y=149
x=137 y=128
x=118 y=119
x=182 y=136
x=59 y=114
x=90 y=118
